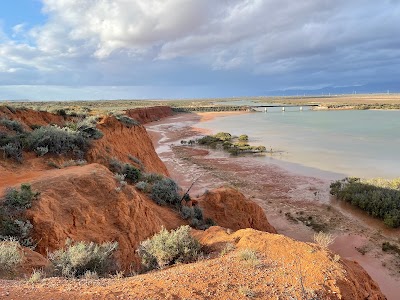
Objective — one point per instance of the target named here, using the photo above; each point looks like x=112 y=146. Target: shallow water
x=362 y=143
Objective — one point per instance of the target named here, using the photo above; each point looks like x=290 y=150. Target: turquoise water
x=363 y=143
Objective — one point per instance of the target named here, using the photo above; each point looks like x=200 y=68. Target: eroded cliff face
x=84 y=204
x=122 y=142
x=149 y=114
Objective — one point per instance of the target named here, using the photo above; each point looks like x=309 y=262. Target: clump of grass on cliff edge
x=169 y=247
x=127 y=121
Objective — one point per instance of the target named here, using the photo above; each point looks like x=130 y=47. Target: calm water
x=352 y=143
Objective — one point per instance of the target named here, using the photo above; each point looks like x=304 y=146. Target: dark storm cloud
x=240 y=44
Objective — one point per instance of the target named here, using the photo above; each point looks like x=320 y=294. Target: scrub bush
x=167 y=248
x=78 y=258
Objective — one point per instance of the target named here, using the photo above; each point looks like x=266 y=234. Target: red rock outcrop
x=149 y=114
x=230 y=209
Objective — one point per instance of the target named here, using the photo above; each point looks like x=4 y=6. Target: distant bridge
x=236 y=107
x=282 y=105
x=300 y=106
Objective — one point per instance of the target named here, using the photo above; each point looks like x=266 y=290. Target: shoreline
x=284 y=196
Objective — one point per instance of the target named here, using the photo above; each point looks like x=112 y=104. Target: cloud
x=174 y=42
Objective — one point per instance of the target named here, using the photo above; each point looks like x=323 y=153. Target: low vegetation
x=36 y=276
x=132 y=174
x=323 y=239
x=20 y=199
x=12 y=125
x=169 y=247
x=388 y=247
x=225 y=141
x=10 y=256
x=74 y=138
x=165 y=191
x=127 y=121
x=249 y=257
x=378 y=197
x=13 y=223
x=76 y=259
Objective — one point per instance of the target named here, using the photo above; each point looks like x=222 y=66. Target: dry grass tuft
x=36 y=276
x=249 y=257
x=323 y=239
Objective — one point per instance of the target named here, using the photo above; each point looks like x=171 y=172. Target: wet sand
x=289 y=199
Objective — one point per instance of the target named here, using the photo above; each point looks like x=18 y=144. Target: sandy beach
x=296 y=205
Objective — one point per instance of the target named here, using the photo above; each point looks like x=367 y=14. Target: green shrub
x=195 y=216
x=143 y=186
x=16 y=229
x=61 y=112
x=136 y=161
x=11 y=224
x=78 y=258
x=195 y=223
x=243 y=138
x=13 y=150
x=165 y=191
x=380 y=198
x=132 y=173
x=186 y=212
x=74 y=138
x=40 y=151
x=223 y=136
x=127 y=121
x=209 y=140
x=22 y=198
x=167 y=248
x=12 y=125
x=209 y=222
x=87 y=127
x=152 y=177
x=10 y=256
x=57 y=140
x=198 y=213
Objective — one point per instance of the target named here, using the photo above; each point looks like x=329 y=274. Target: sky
x=159 y=49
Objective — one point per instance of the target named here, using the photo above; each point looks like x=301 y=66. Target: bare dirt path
x=296 y=205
